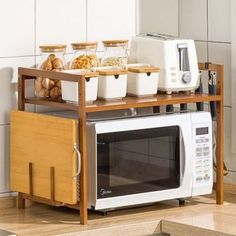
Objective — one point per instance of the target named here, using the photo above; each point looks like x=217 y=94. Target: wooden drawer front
x=46 y=142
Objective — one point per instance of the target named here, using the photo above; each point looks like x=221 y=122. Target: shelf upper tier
x=128 y=102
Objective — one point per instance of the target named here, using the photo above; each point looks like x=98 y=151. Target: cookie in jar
x=52 y=59
x=85 y=55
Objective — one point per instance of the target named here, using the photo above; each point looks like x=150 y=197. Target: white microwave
x=142 y=160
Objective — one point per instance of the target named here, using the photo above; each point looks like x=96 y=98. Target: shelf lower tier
x=128 y=102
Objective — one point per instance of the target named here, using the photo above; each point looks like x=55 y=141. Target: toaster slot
x=183 y=57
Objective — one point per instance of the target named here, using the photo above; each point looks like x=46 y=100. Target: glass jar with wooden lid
x=115 y=53
x=52 y=59
x=85 y=55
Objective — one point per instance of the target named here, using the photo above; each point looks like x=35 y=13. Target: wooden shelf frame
x=129 y=102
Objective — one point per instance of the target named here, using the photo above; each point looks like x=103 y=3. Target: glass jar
x=115 y=53
x=52 y=59
x=85 y=56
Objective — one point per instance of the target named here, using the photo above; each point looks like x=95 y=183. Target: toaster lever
x=183 y=57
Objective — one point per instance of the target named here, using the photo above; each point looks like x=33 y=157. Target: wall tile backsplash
x=193 y=19
x=157 y=16
x=17 y=28
x=61 y=22
x=219 y=20
x=108 y=19
x=209 y=23
x=30 y=24
x=8 y=84
x=221 y=53
x=4 y=162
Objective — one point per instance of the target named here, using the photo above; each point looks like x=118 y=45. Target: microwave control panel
x=203 y=156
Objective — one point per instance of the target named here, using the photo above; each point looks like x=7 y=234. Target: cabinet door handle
x=78 y=161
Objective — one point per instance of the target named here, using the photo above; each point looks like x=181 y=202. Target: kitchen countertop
x=200 y=216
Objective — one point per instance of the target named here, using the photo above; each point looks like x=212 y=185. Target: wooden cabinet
x=44 y=158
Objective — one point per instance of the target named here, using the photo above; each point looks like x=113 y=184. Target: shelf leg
x=220 y=154
x=83 y=151
x=220 y=138
x=20 y=201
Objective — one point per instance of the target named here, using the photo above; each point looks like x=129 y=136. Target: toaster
x=176 y=58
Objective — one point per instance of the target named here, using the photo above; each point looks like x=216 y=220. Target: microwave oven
x=143 y=160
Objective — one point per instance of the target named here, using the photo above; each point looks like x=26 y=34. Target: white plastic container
x=112 y=84
x=70 y=89
x=142 y=81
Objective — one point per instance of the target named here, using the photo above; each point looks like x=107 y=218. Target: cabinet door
x=45 y=141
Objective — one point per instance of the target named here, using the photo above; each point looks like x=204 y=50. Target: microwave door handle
x=184 y=156
x=78 y=155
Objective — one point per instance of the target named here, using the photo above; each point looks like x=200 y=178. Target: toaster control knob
x=186 y=77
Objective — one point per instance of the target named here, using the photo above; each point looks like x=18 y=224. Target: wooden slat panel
x=46 y=142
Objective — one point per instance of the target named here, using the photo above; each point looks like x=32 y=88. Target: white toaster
x=176 y=58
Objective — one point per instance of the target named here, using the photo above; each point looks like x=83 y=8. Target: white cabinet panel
x=17 y=28
x=60 y=22
x=110 y=19
x=8 y=84
x=193 y=19
x=221 y=53
x=159 y=16
x=219 y=15
x=4 y=159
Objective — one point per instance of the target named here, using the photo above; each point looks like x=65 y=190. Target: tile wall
x=31 y=23
x=208 y=22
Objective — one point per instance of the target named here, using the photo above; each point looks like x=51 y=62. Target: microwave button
x=199 y=179
x=198 y=149
x=206 y=177
x=206 y=161
x=206 y=154
x=173 y=68
x=198 y=141
x=199 y=154
x=199 y=167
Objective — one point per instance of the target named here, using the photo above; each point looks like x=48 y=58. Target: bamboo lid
x=143 y=69
x=112 y=72
x=115 y=43
x=53 y=48
x=84 y=45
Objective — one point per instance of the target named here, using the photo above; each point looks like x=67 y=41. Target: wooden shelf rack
x=129 y=102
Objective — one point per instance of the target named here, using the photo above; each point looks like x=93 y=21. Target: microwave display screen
x=202 y=131
x=138 y=161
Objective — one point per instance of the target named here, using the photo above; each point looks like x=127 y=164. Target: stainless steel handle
x=78 y=161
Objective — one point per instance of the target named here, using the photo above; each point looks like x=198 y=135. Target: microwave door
x=138 y=161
